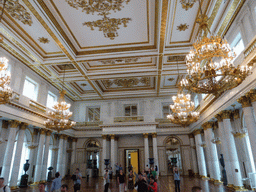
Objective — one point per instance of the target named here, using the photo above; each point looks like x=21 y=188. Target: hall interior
x=136 y=83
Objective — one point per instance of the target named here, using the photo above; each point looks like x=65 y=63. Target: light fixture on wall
x=210 y=64
x=183 y=109
x=59 y=117
x=5 y=76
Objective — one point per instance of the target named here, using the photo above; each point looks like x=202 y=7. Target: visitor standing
x=110 y=173
x=56 y=183
x=64 y=188
x=41 y=187
x=152 y=185
x=106 y=181
x=147 y=170
x=121 y=181
x=130 y=180
x=77 y=182
x=117 y=169
x=176 y=179
x=141 y=183
x=87 y=175
x=3 y=188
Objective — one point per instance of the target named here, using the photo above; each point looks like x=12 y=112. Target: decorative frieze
x=245 y=101
x=207 y=125
x=226 y=114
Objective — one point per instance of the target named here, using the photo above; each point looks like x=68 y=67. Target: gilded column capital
x=236 y=114
x=116 y=138
x=207 y=125
x=48 y=132
x=23 y=126
x=190 y=135
x=112 y=136
x=154 y=135
x=65 y=137
x=62 y=136
x=5 y=124
x=74 y=139
x=252 y=95
x=226 y=114
x=197 y=131
x=145 y=135
x=42 y=131
x=215 y=125
x=104 y=136
x=219 y=117
x=14 y=123
x=35 y=132
x=245 y=101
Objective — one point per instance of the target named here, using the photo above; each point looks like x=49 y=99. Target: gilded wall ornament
x=83 y=84
x=182 y=27
x=187 y=4
x=107 y=83
x=176 y=58
x=17 y=11
x=109 y=26
x=127 y=82
x=170 y=79
x=145 y=80
x=115 y=61
x=43 y=40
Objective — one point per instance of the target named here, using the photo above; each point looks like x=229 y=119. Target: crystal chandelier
x=109 y=26
x=59 y=117
x=210 y=64
x=183 y=109
x=186 y=4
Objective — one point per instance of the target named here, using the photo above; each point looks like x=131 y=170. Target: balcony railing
x=89 y=124
x=129 y=119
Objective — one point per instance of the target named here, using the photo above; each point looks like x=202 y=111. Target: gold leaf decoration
x=170 y=79
x=43 y=40
x=127 y=82
x=83 y=84
x=17 y=11
x=115 y=61
x=145 y=80
x=182 y=27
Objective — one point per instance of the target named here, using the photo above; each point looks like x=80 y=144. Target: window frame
x=35 y=90
x=52 y=94
x=87 y=113
x=131 y=113
x=164 y=105
x=238 y=38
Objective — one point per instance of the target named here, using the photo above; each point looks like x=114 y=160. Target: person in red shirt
x=152 y=185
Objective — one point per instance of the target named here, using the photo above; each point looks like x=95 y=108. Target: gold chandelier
x=5 y=77
x=186 y=4
x=59 y=117
x=210 y=67
x=109 y=26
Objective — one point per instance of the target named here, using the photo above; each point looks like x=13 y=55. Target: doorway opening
x=132 y=160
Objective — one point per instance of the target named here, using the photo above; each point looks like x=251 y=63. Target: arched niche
x=173 y=153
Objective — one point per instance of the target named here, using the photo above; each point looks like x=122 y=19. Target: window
x=196 y=101
x=30 y=89
x=93 y=114
x=166 y=110
x=130 y=110
x=237 y=45
x=51 y=100
x=204 y=95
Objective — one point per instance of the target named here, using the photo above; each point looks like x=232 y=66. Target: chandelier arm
x=1 y=16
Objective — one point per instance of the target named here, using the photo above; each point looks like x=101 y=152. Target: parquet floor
x=165 y=184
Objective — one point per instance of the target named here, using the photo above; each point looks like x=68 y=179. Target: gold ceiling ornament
x=126 y=82
x=109 y=26
x=210 y=64
x=59 y=117
x=145 y=80
x=5 y=77
x=182 y=27
x=17 y=11
x=187 y=4
x=170 y=79
x=83 y=84
x=43 y=40
x=102 y=7
x=125 y=60
x=107 y=83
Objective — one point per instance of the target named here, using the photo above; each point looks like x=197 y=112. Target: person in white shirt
x=3 y=188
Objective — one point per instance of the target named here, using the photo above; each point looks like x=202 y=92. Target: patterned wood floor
x=164 y=184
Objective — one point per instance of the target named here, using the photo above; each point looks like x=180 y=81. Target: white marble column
x=193 y=154
x=9 y=149
x=60 y=155
x=46 y=154
x=17 y=156
x=73 y=154
x=4 y=136
x=235 y=168
x=225 y=149
x=212 y=149
x=39 y=161
x=155 y=151
x=64 y=161
x=112 y=160
x=146 y=149
x=200 y=154
x=104 y=153
x=116 y=161
x=250 y=122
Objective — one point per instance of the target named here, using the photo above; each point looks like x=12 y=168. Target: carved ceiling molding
x=17 y=11
x=127 y=82
x=182 y=27
x=43 y=40
x=117 y=61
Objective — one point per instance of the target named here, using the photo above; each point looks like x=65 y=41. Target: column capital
x=191 y=135
x=74 y=139
x=35 y=132
x=252 y=95
x=226 y=114
x=154 y=135
x=207 y=125
x=219 y=117
x=145 y=135
x=197 y=131
x=14 y=123
x=5 y=124
x=65 y=137
x=245 y=101
x=104 y=136
x=48 y=132
x=42 y=131
x=23 y=126
x=112 y=136
x=116 y=138
x=62 y=136
x=236 y=114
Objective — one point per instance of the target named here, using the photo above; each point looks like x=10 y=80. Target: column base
x=230 y=186
x=35 y=183
x=218 y=182
x=239 y=188
x=204 y=177
x=212 y=180
x=14 y=187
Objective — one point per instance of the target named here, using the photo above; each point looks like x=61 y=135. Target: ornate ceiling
x=134 y=54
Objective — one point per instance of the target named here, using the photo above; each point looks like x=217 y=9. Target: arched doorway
x=92 y=157
x=173 y=154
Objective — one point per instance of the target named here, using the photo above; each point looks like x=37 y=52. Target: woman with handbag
x=77 y=182
x=130 y=180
